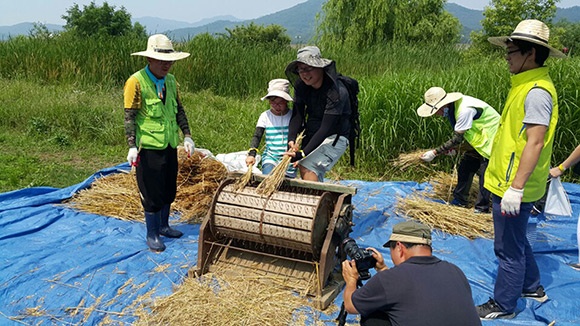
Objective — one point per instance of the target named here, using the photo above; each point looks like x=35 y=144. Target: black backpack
x=351 y=85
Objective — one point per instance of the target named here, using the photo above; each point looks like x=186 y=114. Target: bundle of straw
x=273 y=181
x=117 y=195
x=451 y=219
x=244 y=179
x=406 y=160
x=444 y=183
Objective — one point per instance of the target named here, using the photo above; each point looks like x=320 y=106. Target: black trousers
x=377 y=318
x=472 y=163
x=157 y=177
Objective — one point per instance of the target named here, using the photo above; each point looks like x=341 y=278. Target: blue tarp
x=54 y=259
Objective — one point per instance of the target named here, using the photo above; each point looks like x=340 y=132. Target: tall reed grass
x=67 y=93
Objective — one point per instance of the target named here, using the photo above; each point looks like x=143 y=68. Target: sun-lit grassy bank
x=62 y=115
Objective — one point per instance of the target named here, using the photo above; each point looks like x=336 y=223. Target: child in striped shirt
x=274 y=124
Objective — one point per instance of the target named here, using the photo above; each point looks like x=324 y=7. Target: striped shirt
x=276 y=130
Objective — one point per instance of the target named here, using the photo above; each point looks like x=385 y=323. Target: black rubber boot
x=153 y=220
x=165 y=230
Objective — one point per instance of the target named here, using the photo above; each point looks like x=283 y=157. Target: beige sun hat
x=160 y=47
x=309 y=55
x=435 y=99
x=279 y=88
x=530 y=30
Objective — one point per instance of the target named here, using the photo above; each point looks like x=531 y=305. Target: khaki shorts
x=325 y=156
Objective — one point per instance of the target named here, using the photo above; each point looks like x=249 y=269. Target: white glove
x=511 y=201
x=132 y=156
x=189 y=146
x=428 y=156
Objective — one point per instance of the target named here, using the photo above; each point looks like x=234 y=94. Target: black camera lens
x=363 y=258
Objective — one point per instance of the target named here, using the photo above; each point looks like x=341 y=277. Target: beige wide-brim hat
x=279 y=88
x=435 y=99
x=309 y=55
x=530 y=30
x=160 y=47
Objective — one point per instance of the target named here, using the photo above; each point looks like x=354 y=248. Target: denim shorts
x=325 y=156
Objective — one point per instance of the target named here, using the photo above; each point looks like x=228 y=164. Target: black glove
x=298 y=156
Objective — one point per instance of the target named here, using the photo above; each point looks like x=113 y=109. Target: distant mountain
x=23 y=29
x=299 y=22
x=155 y=25
x=469 y=18
x=571 y=14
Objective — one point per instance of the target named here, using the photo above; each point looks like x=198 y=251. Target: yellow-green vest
x=156 y=122
x=480 y=135
x=511 y=138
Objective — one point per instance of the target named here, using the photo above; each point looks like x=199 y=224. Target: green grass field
x=62 y=112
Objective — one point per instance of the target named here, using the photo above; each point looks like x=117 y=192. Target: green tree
x=502 y=16
x=569 y=35
x=101 y=21
x=371 y=22
x=272 y=35
x=40 y=31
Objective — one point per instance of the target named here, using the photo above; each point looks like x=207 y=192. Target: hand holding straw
x=244 y=179
x=273 y=181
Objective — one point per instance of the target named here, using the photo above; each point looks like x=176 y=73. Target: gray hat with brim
x=529 y=30
x=410 y=232
x=308 y=55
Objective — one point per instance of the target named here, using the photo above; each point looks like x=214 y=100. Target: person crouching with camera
x=420 y=289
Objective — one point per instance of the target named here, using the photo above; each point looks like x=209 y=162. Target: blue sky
x=50 y=11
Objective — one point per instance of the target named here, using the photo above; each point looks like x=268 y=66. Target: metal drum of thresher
x=292 y=218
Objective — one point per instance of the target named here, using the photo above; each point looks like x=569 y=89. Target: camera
x=363 y=258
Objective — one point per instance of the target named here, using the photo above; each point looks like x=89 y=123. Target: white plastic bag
x=557 y=202
x=236 y=162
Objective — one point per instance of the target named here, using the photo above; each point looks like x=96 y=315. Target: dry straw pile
x=116 y=195
x=444 y=183
x=447 y=218
x=229 y=299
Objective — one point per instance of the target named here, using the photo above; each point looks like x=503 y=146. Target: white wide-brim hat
x=279 y=88
x=530 y=30
x=308 y=55
x=435 y=99
x=160 y=47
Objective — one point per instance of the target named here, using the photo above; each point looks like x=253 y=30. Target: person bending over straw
x=476 y=122
x=321 y=109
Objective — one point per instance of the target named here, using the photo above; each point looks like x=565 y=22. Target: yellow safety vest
x=480 y=135
x=156 y=122
x=511 y=138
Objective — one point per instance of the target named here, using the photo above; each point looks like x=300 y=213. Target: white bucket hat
x=435 y=99
x=309 y=55
x=279 y=88
x=530 y=30
x=160 y=47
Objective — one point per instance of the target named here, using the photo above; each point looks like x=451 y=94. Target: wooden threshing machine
x=292 y=234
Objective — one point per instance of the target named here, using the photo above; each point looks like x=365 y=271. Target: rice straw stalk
x=273 y=181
